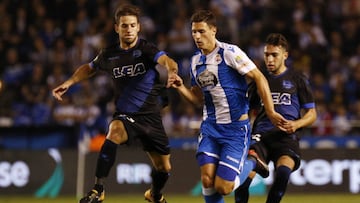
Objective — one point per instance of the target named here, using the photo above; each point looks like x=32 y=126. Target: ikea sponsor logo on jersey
x=281 y=98
x=129 y=70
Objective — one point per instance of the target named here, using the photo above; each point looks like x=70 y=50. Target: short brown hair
x=277 y=39
x=126 y=10
x=204 y=16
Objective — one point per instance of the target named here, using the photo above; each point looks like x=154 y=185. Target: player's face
x=128 y=28
x=204 y=36
x=274 y=57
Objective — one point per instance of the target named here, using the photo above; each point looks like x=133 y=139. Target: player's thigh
x=159 y=161
x=223 y=186
x=286 y=152
x=285 y=160
x=233 y=152
x=117 y=132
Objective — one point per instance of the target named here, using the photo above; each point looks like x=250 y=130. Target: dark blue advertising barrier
x=39 y=137
x=52 y=172
x=44 y=137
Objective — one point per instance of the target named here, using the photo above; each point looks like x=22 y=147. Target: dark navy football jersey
x=136 y=81
x=290 y=91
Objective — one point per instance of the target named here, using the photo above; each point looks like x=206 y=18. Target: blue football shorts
x=225 y=145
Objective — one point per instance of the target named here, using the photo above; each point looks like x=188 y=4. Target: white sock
x=236 y=182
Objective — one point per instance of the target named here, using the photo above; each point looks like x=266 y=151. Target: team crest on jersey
x=218 y=59
x=137 y=53
x=287 y=84
x=207 y=80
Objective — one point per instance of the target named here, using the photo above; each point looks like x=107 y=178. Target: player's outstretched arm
x=264 y=92
x=306 y=120
x=170 y=65
x=82 y=73
x=193 y=95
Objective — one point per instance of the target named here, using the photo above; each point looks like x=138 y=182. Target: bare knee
x=117 y=132
x=164 y=167
x=207 y=181
x=160 y=162
x=224 y=189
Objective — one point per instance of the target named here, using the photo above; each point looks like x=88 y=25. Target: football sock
x=236 y=182
x=278 y=188
x=159 y=179
x=211 y=196
x=242 y=192
x=106 y=159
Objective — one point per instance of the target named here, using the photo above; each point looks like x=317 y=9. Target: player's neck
x=208 y=50
x=209 y=47
x=126 y=46
x=281 y=70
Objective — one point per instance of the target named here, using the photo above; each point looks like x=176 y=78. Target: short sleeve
x=238 y=60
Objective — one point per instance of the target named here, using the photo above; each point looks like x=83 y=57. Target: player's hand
x=278 y=121
x=290 y=127
x=174 y=80
x=59 y=91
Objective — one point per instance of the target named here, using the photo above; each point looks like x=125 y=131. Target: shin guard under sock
x=242 y=192
x=106 y=159
x=159 y=179
x=278 y=188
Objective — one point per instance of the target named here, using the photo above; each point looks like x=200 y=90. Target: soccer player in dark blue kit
x=132 y=65
x=293 y=98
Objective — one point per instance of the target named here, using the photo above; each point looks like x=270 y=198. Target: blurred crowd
x=43 y=41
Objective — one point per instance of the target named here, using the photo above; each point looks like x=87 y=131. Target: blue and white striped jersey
x=221 y=76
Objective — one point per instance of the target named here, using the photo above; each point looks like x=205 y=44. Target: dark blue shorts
x=270 y=146
x=148 y=129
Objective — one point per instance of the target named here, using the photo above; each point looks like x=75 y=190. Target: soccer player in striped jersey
x=131 y=63
x=219 y=74
x=292 y=97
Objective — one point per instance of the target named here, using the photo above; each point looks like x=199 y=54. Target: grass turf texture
x=288 y=198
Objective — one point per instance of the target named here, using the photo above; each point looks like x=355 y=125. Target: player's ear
x=116 y=28
x=286 y=54
x=139 y=27
x=213 y=30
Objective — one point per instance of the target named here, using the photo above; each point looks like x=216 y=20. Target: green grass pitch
x=288 y=198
